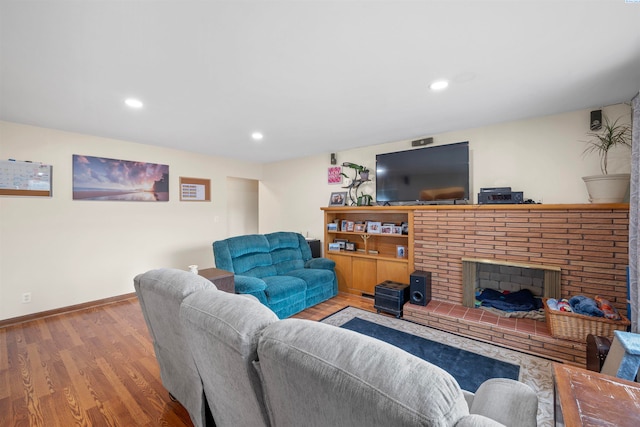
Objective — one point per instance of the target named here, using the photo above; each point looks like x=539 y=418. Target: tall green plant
x=612 y=134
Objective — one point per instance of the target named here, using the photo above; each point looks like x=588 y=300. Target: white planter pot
x=607 y=188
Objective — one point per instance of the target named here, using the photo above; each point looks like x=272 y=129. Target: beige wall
x=68 y=252
x=541 y=157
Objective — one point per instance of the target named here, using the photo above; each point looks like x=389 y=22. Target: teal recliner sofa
x=278 y=269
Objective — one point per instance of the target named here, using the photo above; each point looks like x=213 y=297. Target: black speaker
x=596 y=120
x=420 y=287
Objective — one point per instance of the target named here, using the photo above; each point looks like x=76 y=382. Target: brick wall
x=589 y=243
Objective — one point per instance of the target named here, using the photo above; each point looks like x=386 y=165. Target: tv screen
x=424 y=175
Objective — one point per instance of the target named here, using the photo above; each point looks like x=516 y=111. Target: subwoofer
x=420 y=287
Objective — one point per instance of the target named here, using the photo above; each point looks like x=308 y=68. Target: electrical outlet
x=26 y=297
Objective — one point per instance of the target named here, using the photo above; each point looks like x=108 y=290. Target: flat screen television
x=429 y=175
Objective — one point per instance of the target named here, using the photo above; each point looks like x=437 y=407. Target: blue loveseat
x=278 y=269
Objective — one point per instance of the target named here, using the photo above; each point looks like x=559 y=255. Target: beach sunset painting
x=99 y=178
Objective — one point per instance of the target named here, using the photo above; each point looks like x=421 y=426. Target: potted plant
x=608 y=188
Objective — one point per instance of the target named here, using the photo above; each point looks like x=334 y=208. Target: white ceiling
x=313 y=76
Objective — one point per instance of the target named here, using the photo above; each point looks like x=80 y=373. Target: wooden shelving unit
x=359 y=271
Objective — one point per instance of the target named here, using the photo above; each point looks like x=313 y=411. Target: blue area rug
x=469 y=369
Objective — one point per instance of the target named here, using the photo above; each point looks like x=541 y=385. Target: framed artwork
x=338 y=198
x=332 y=226
x=334 y=175
x=99 y=178
x=350 y=246
x=360 y=227
x=343 y=225
x=397 y=229
x=350 y=225
x=386 y=229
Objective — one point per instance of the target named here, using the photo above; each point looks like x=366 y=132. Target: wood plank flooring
x=96 y=367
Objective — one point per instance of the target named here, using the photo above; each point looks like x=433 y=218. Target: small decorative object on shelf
x=350 y=246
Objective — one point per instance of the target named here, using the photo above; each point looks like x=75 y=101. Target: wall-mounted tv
x=428 y=175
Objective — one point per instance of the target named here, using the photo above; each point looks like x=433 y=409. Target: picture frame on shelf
x=373 y=227
x=334 y=247
x=386 y=229
x=338 y=198
x=397 y=229
x=401 y=251
x=350 y=246
x=350 y=226
x=343 y=225
x=332 y=226
x=360 y=227
x=340 y=242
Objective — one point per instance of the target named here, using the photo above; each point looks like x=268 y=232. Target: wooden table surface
x=589 y=398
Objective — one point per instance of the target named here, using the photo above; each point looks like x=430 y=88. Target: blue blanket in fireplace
x=522 y=300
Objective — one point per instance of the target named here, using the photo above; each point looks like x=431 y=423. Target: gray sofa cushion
x=223 y=331
x=347 y=379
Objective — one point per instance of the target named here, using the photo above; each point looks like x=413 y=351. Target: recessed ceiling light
x=134 y=103
x=439 y=85
x=257 y=136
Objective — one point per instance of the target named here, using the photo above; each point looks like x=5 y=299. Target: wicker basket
x=576 y=327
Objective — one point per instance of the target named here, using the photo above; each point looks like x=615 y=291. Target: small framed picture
x=373 y=227
x=332 y=226
x=343 y=225
x=350 y=225
x=359 y=227
x=397 y=229
x=340 y=242
x=401 y=251
x=338 y=198
x=350 y=246
x=386 y=229
x=334 y=246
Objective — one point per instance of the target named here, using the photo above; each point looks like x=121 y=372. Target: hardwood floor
x=96 y=367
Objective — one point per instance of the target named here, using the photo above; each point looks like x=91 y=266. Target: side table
x=223 y=279
x=589 y=398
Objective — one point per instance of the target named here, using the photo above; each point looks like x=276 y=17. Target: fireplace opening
x=509 y=285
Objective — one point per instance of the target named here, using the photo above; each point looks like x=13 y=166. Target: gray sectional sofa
x=257 y=370
x=277 y=268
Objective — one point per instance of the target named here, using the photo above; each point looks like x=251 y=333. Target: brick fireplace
x=587 y=244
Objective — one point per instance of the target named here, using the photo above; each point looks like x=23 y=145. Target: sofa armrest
x=249 y=285
x=320 y=263
x=506 y=401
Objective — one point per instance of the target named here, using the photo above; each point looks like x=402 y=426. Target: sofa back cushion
x=287 y=251
x=223 y=331
x=248 y=255
x=358 y=380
